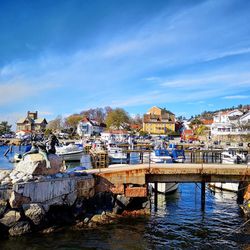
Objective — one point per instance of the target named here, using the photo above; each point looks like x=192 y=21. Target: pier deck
x=144 y=173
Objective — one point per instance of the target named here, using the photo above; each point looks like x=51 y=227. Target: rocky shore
x=34 y=198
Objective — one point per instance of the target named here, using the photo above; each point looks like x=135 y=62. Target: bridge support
x=156 y=196
x=203 y=195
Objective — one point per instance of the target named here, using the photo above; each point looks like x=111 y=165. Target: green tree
x=195 y=123
x=5 y=128
x=72 y=121
x=117 y=119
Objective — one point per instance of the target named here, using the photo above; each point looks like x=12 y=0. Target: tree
x=56 y=124
x=201 y=130
x=5 y=128
x=195 y=123
x=72 y=121
x=137 y=120
x=117 y=119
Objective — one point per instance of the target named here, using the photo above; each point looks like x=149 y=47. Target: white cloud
x=17 y=91
x=236 y=97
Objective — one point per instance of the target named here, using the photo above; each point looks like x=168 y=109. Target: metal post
x=156 y=196
x=203 y=195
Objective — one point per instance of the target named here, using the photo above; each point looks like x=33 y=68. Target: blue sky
x=62 y=57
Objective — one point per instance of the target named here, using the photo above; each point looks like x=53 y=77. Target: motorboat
x=227 y=186
x=232 y=156
x=71 y=152
x=160 y=156
x=165 y=188
x=178 y=155
x=116 y=154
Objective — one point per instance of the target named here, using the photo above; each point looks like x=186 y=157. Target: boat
x=116 y=154
x=232 y=156
x=160 y=156
x=177 y=153
x=71 y=152
x=165 y=188
x=227 y=186
x=229 y=156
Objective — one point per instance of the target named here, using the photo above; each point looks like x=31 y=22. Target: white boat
x=231 y=156
x=71 y=152
x=160 y=156
x=165 y=188
x=228 y=186
x=116 y=155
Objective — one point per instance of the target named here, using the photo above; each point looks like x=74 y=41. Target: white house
x=245 y=119
x=228 y=122
x=115 y=136
x=87 y=127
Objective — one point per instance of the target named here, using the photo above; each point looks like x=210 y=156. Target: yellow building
x=158 y=121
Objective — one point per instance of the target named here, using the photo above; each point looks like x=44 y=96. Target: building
x=158 y=121
x=112 y=136
x=87 y=127
x=230 y=123
x=31 y=123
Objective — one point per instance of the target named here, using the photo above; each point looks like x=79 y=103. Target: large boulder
x=35 y=164
x=34 y=212
x=20 y=228
x=10 y=218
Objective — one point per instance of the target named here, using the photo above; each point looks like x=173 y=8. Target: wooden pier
x=119 y=177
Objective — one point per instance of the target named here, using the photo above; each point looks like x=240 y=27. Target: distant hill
x=210 y=114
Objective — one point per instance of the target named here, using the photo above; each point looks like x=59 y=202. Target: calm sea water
x=178 y=223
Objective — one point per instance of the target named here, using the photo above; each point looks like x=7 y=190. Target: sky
x=65 y=56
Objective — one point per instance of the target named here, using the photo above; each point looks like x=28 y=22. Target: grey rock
x=20 y=228
x=34 y=212
x=35 y=164
x=10 y=218
x=122 y=201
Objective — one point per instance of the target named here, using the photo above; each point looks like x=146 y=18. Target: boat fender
x=248 y=144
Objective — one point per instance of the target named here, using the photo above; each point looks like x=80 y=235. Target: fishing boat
x=71 y=152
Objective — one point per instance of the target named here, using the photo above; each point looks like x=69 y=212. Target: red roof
x=207 y=122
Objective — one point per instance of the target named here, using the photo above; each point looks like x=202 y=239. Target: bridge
x=132 y=180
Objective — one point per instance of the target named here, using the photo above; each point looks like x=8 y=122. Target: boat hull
x=228 y=186
x=165 y=188
x=72 y=156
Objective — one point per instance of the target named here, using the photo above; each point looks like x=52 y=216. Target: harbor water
x=178 y=223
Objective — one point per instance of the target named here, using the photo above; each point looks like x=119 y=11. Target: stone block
x=136 y=192
x=118 y=189
x=35 y=164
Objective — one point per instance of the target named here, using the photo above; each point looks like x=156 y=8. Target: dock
x=133 y=180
